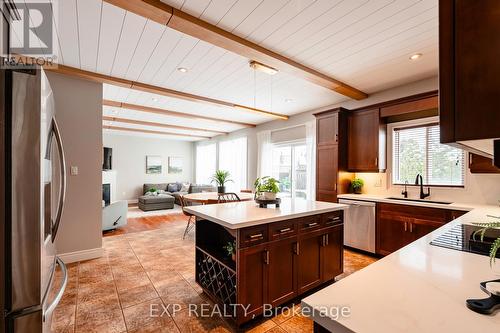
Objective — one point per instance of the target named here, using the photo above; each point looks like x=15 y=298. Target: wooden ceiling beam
x=193 y=26
x=127 y=129
x=164 y=112
x=96 y=77
x=156 y=124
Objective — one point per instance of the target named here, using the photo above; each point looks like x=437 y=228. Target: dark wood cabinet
x=251 y=289
x=481 y=164
x=469 y=75
x=327 y=131
x=331 y=154
x=309 y=260
x=366 y=137
x=281 y=271
x=275 y=262
x=327 y=173
x=399 y=225
x=332 y=253
x=392 y=232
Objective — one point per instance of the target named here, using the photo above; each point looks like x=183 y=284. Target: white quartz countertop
x=235 y=215
x=423 y=203
x=420 y=288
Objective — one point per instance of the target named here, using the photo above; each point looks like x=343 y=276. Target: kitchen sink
x=421 y=200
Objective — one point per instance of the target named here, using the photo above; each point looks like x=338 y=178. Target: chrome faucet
x=421 y=183
x=405 y=191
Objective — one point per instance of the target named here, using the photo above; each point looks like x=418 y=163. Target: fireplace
x=106 y=194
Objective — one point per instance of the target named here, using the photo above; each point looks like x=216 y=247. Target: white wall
x=78 y=105
x=129 y=161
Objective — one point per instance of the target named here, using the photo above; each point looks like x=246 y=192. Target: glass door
x=290 y=168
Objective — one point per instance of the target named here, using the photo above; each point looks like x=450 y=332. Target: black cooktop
x=461 y=237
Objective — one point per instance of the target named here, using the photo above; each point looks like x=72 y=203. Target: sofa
x=168 y=194
x=114 y=215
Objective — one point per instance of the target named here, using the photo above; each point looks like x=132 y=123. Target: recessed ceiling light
x=288 y=100
x=415 y=56
x=182 y=69
x=154 y=99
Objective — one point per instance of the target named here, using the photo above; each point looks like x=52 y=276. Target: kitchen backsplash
x=479 y=188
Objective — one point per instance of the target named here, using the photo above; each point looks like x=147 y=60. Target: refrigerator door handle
x=60 y=293
x=62 y=192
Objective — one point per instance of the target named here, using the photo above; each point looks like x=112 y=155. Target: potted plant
x=266 y=188
x=221 y=177
x=230 y=248
x=495 y=247
x=357 y=185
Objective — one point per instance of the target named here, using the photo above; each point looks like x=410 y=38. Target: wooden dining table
x=213 y=197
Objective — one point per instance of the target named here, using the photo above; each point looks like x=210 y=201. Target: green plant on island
x=266 y=184
x=221 y=177
x=495 y=247
x=230 y=248
x=357 y=184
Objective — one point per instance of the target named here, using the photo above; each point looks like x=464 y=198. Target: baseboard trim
x=71 y=257
x=133 y=201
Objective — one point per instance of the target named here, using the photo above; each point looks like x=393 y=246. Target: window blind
x=206 y=162
x=233 y=158
x=417 y=150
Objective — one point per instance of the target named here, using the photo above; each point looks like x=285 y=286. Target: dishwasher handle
x=357 y=203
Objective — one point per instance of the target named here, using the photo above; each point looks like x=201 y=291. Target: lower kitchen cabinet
x=392 y=232
x=399 y=225
x=333 y=254
x=251 y=288
x=309 y=260
x=281 y=267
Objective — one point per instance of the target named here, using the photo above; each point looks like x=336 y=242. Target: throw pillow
x=185 y=187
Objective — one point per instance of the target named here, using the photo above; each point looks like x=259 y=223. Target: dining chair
x=228 y=197
x=191 y=219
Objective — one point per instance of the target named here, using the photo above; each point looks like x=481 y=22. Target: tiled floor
x=153 y=270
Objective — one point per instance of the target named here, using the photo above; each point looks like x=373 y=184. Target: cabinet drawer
x=426 y=213
x=333 y=218
x=253 y=235
x=309 y=223
x=283 y=229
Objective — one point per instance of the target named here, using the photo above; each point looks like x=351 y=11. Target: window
x=233 y=158
x=205 y=162
x=290 y=168
x=417 y=150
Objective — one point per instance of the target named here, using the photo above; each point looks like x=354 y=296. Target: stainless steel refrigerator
x=34 y=185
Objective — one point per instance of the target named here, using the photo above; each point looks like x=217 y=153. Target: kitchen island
x=419 y=288
x=280 y=253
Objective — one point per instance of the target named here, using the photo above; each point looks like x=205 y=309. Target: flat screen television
x=107 y=158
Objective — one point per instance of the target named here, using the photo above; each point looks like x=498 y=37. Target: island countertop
x=236 y=215
x=420 y=288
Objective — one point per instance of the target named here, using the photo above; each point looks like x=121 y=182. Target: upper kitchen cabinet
x=469 y=74
x=366 y=134
x=481 y=164
x=331 y=154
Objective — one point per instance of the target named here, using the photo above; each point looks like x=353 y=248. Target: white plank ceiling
x=364 y=43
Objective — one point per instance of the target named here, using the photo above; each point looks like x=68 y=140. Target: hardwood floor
x=147 y=268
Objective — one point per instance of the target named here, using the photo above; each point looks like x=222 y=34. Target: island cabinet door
x=281 y=271
x=332 y=253
x=309 y=261
x=251 y=281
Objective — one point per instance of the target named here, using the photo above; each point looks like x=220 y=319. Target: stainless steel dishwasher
x=359 y=224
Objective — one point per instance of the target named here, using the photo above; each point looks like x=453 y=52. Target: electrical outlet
x=74 y=170
x=378 y=182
